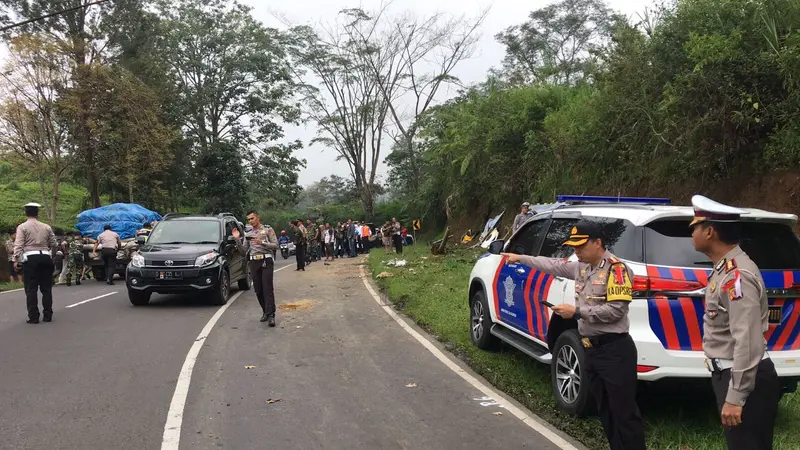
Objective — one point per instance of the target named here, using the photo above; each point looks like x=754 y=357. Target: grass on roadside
x=432 y=290
x=10 y=286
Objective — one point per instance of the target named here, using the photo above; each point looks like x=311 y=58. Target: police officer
x=262 y=264
x=522 y=217
x=736 y=317
x=299 y=239
x=74 y=259
x=602 y=295
x=33 y=255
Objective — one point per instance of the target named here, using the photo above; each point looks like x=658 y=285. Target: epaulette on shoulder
x=613 y=260
x=730 y=266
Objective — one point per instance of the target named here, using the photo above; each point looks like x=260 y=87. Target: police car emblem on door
x=509 y=285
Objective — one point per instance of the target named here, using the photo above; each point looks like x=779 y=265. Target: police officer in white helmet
x=33 y=255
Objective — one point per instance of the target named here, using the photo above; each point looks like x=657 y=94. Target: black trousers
x=38 y=272
x=398 y=243
x=758 y=414
x=262 y=273
x=110 y=263
x=611 y=369
x=300 y=255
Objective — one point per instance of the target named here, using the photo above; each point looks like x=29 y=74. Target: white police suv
x=666 y=314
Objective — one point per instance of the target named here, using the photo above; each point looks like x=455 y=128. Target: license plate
x=168 y=275
x=775 y=315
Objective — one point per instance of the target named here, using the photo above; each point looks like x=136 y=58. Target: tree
x=134 y=145
x=30 y=129
x=555 y=44
x=79 y=34
x=349 y=109
x=411 y=60
x=233 y=87
x=272 y=178
x=232 y=73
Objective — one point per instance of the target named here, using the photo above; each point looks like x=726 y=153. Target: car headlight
x=204 y=260
x=137 y=260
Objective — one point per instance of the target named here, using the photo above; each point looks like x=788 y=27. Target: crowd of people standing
x=313 y=242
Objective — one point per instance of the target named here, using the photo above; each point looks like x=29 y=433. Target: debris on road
x=497 y=413
x=384 y=275
x=249 y=367
x=411 y=385
x=271 y=401
x=298 y=305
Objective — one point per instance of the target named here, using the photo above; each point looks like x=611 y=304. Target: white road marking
x=91 y=299
x=13 y=290
x=172 y=428
x=526 y=418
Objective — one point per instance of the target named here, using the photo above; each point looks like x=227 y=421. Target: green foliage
x=73 y=200
x=705 y=96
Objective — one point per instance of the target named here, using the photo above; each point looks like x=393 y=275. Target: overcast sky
x=502 y=14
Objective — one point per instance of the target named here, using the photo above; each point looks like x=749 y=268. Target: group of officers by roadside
x=743 y=377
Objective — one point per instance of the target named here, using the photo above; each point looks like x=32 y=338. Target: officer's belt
x=36 y=252
x=603 y=339
x=719 y=364
x=260 y=257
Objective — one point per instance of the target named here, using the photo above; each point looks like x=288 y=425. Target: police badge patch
x=509 y=285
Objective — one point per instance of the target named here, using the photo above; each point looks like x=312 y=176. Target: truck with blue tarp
x=125 y=219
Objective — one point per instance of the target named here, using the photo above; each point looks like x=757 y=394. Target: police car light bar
x=601 y=199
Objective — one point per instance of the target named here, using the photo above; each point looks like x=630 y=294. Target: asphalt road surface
x=336 y=373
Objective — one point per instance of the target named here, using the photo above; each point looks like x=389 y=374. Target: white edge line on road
x=526 y=418
x=172 y=428
x=91 y=299
x=13 y=290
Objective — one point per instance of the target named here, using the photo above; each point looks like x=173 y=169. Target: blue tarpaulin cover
x=125 y=219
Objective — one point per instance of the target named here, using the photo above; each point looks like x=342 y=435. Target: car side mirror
x=497 y=246
x=140 y=240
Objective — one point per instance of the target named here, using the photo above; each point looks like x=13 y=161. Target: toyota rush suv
x=189 y=254
x=666 y=315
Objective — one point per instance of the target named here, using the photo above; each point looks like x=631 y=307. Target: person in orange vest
x=365 y=234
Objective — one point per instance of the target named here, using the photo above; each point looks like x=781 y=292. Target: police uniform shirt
x=109 y=240
x=602 y=293
x=268 y=240
x=736 y=318
x=33 y=235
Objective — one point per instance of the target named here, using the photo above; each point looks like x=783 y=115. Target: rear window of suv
x=620 y=236
x=771 y=246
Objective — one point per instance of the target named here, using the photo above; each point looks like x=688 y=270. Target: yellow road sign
x=417 y=225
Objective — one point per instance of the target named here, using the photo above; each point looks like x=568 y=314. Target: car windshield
x=772 y=246
x=185 y=232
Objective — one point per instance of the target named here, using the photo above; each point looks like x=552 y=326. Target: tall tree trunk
x=56 y=186
x=130 y=189
x=43 y=192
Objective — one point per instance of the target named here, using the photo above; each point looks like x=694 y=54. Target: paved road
x=103 y=373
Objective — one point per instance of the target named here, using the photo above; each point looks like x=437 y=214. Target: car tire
x=246 y=283
x=568 y=374
x=138 y=298
x=481 y=323
x=221 y=293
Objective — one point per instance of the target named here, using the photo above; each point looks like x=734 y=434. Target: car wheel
x=568 y=374
x=221 y=293
x=246 y=283
x=139 y=298
x=481 y=323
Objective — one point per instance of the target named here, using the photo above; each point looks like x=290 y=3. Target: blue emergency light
x=602 y=199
